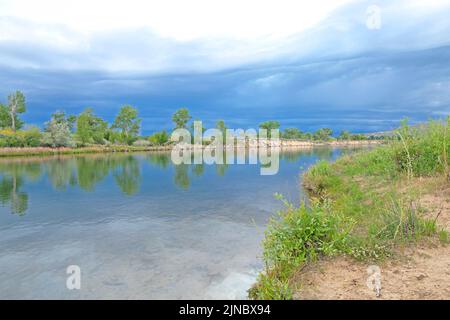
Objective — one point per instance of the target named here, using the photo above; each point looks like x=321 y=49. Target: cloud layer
x=337 y=73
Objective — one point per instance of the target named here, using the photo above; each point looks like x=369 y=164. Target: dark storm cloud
x=340 y=75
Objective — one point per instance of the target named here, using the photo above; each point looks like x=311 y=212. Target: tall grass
x=357 y=207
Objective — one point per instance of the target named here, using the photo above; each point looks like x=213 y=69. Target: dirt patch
x=422 y=272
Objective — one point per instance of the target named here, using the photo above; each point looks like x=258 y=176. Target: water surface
x=138 y=226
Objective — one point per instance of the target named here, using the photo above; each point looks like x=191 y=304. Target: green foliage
x=323 y=134
x=220 y=124
x=401 y=221
x=270 y=287
x=22 y=138
x=128 y=124
x=344 y=135
x=301 y=235
x=159 y=138
x=90 y=128
x=423 y=150
x=57 y=132
x=298 y=236
x=269 y=125
x=6 y=120
x=356 y=208
x=292 y=133
x=16 y=104
x=180 y=118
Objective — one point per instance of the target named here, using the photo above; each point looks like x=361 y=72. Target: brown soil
x=420 y=272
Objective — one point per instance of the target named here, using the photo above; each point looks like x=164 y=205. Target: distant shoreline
x=45 y=151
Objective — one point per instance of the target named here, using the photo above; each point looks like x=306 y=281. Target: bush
x=303 y=234
x=159 y=138
x=23 y=138
x=57 y=134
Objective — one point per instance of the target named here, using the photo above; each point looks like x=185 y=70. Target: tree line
x=87 y=128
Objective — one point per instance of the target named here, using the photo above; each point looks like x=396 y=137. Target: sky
x=349 y=65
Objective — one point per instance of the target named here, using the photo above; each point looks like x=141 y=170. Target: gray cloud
x=339 y=74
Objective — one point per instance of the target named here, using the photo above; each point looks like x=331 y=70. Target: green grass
x=362 y=206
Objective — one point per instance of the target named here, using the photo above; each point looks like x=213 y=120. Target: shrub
x=159 y=138
x=57 y=134
x=23 y=138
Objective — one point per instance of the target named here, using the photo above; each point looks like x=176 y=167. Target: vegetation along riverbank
x=87 y=132
x=389 y=207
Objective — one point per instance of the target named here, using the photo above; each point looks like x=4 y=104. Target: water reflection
x=13 y=176
x=138 y=226
x=89 y=170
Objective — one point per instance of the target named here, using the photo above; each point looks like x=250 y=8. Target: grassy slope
x=362 y=206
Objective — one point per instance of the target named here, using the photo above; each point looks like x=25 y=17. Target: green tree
x=16 y=104
x=181 y=177
x=90 y=128
x=60 y=117
x=323 y=134
x=159 y=138
x=269 y=125
x=292 y=133
x=57 y=131
x=180 y=118
x=220 y=124
x=128 y=123
x=344 y=135
x=128 y=175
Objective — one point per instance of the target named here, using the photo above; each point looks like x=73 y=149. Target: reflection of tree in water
x=87 y=172
x=198 y=170
x=221 y=169
x=181 y=177
x=161 y=160
x=13 y=176
x=127 y=174
x=91 y=171
x=323 y=153
x=61 y=173
x=10 y=193
x=296 y=155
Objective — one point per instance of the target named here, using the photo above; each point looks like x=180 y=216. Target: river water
x=137 y=226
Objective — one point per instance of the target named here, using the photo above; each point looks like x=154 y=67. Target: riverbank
x=365 y=209
x=45 y=151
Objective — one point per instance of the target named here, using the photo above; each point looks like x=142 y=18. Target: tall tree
x=180 y=118
x=292 y=133
x=90 y=128
x=344 y=135
x=323 y=134
x=128 y=123
x=16 y=104
x=57 y=131
x=269 y=125
x=220 y=124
